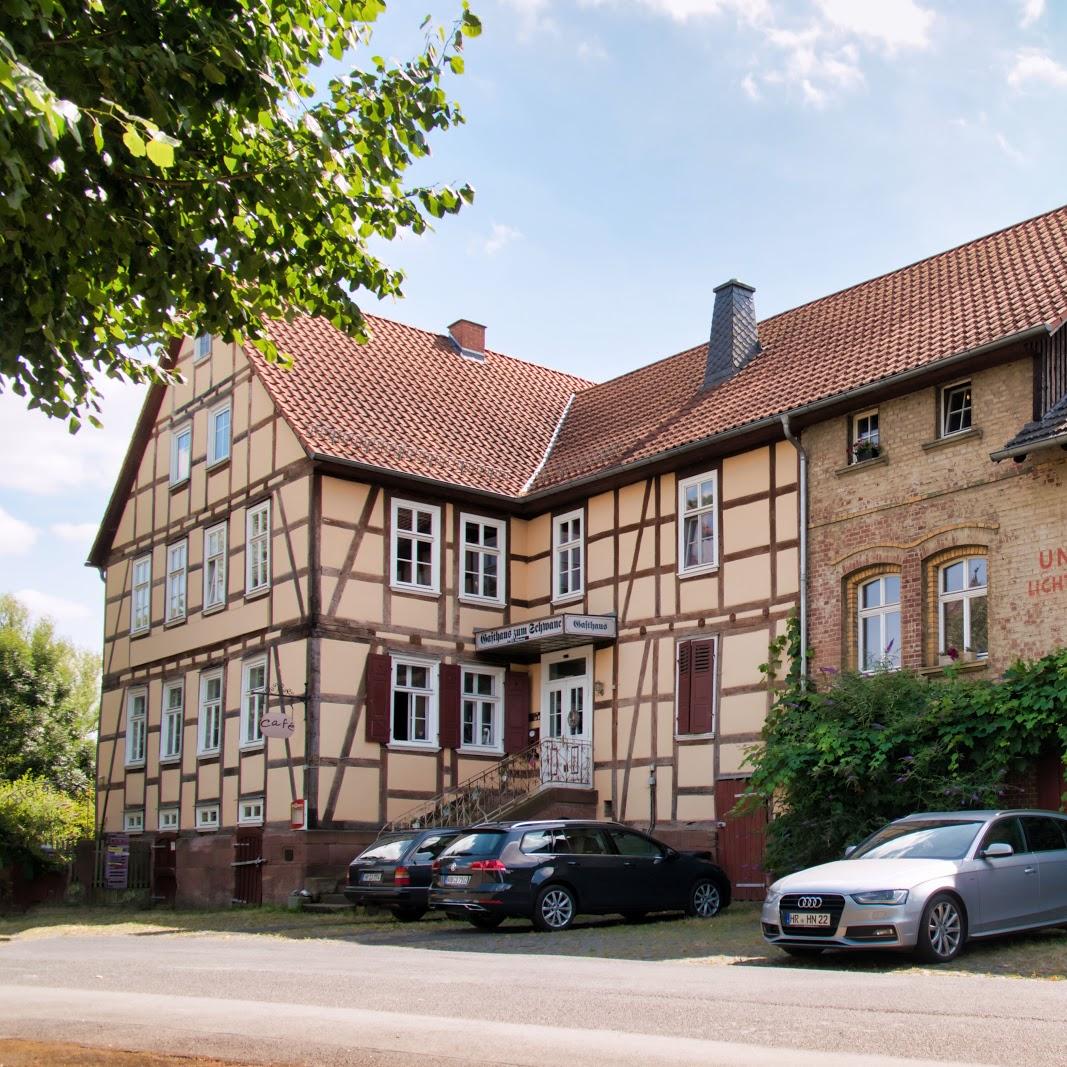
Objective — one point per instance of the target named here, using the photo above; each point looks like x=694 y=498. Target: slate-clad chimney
x=734 y=340
x=469 y=337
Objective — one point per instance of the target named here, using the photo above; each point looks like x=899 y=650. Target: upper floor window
x=170 y=733
x=482 y=708
x=210 y=733
x=141 y=609
x=484 y=556
x=865 y=441
x=168 y=818
x=698 y=540
x=181 y=451
x=568 y=556
x=215 y=566
x=257 y=547
x=218 y=434
x=177 y=572
x=955 y=408
x=202 y=346
x=416 y=537
x=879 y=623
x=414 y=702
x=136 y=726
x=253 y=700
x=696 y=686
x=962 y=607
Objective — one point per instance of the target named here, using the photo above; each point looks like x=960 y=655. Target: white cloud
x=591 y=52
x=77 y=533
x=748 y=84
x=1034 y=67
x=16 y=536
x=1009 y=149
x=500 y=237
x=893 y=24
x=59 y=609
x=1032 y=10
x=534 y=18
x=683 y=10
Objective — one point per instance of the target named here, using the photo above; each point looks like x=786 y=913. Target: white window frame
x=706 y=566
x=133 y=821
x=551 y=685
x=433 y=538
x=213 y=455
x=167 y=824
x=169 y=728
x=874 y=438
x=202 y=346
x=257 y=547
x=177 y=475
x=496 y=700
x=253 y=702
x=208 y=817
x=141 y=596
x=136 y=726
x=177 y=582
x=966 y=594
x=220 y=558
x=946 y=392
x=203 y=734
x=431 y=693
x=880 y=611
x=247 y=815
x=560 y=546
x=500 y=552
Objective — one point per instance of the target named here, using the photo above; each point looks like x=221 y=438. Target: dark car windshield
x=482 y=843
x=945 y=840
x=389 y=850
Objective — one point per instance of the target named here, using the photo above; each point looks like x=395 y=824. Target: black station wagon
x=550 y=872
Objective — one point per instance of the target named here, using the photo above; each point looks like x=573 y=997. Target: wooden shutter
x=702 y=690
x=379 y=684
x=516 y=711
x=685 y=676
x=448 y=705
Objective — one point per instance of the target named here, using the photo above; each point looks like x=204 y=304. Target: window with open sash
x=210 y=733
x=141 y=606
x=215 y=566
x=416 y=538
x=170 y=732
x=962 y=607
x=253 y=700
x=136 y=726
x=177 y=580
x=696 y=687
x=698 y=540
x=257 y=547
x=955 y=408
x=414 y=719
x=568 y=556
x=483 y=555
x=879 y=623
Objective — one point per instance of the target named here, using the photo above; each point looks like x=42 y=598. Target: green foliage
x=48 y=703
x=840 y=761
x=38 y=822
x=169 y=167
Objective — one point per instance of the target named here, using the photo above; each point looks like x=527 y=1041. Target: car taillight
x=435 y=868
x=401 y=876
x=488 y=865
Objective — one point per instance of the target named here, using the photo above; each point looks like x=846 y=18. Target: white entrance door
x=567 y=717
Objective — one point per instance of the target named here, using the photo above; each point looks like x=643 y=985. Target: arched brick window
x=872 y=636
x=957 y=604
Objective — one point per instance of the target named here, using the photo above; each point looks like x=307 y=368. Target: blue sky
x=630 y=155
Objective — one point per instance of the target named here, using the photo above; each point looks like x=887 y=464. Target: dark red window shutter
x=701 y=695
x=379 y=685
x=516 y=711
x=685 y=679
x=449 y=703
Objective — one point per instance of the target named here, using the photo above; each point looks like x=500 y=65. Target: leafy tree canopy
x=38 y=823
x=169 y=167
x=48 y=703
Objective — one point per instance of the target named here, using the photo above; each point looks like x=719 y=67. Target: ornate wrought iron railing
x=491 y=794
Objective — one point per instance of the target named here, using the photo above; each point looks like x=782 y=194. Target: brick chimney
x=734 y=340
x=469 y=337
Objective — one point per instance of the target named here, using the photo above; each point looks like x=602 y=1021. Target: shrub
x=39 y=823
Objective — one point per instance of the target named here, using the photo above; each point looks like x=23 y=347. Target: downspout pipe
x=803 y=457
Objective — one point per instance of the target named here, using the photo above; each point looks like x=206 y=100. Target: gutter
x=1020 y=452
x=803 y=577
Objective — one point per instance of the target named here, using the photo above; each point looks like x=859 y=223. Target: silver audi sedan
x=928 y=883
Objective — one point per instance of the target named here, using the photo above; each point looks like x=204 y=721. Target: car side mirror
x=997 y=850
x=849 y=849
x=670 y=854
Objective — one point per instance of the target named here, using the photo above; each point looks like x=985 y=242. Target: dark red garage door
x=741 y=841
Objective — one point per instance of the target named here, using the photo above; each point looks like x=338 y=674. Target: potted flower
x=865 y=448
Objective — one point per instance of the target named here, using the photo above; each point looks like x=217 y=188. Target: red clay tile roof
x=408 y=401
x=958 y=300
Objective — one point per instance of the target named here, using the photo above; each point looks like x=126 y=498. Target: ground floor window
x=482 y=708
x=207 y=816
x=879 y=623
x=414 y=703
x=962 y=606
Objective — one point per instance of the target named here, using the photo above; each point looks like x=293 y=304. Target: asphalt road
x=270 y=1000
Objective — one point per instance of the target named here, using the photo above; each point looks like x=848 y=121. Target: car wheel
x=705 y=900
x=485 y=922
x=409 y=914
x=555 y=908
x=802 y=952
x=942 y=931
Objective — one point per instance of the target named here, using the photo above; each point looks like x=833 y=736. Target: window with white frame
x=257 y=547
x=484 y=556
x=698 y=523
x=207 y=816
x=141 y=607
x=202 y=347
x=416 y=538
x=170 y=732
x=568 y=556
x=133 y=822
x=136 y=726
x=218 y=434
x=210 y=732
x=481 y=712
x=215 y=566
x=250 y=811
x=414 y=702
x=865 y=439
x=962 y=607
x=181 y=452
x=177 y=580
x=879 y=623
x=955 y=408
x=253 y=700
x=168 y=819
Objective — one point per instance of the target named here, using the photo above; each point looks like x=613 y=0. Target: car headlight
x=773 y=895
x=882 y=896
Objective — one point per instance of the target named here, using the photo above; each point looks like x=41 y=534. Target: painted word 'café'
x=419 y=580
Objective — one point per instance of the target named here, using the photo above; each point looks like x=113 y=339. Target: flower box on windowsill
x=947 y=659
x=863 y=453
